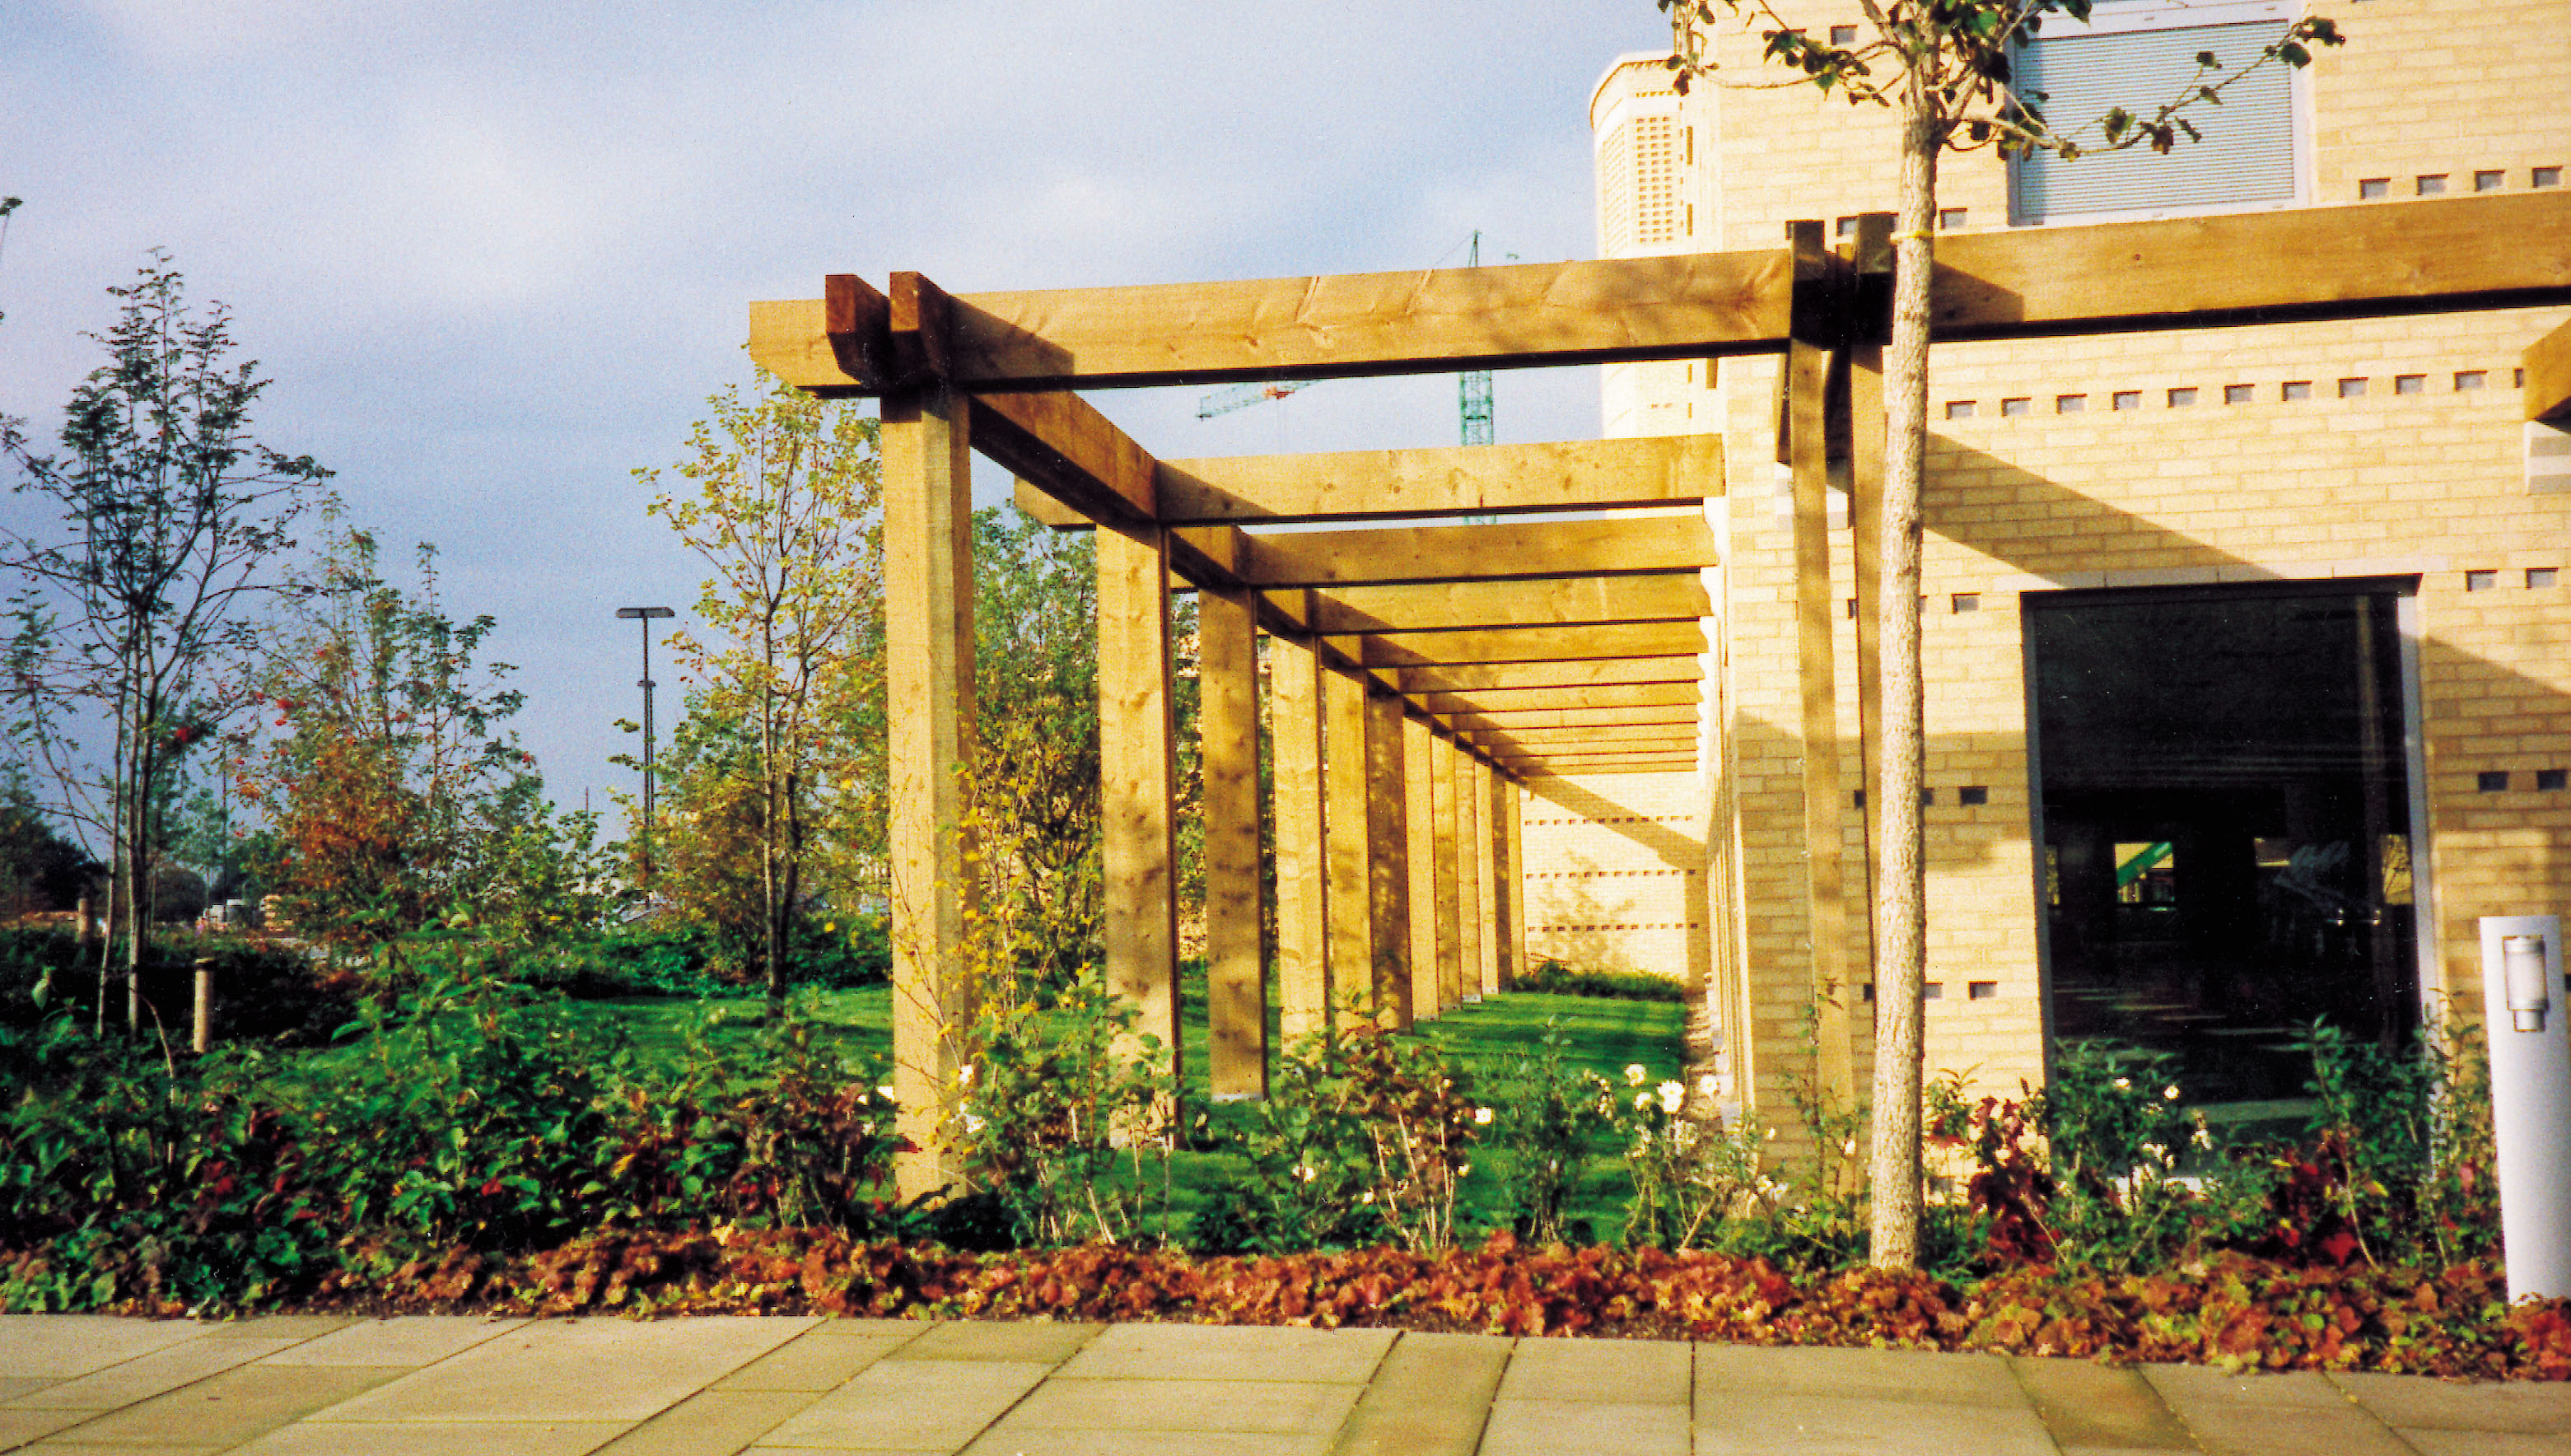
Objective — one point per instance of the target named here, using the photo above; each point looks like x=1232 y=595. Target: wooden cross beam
x=2187 y=272
x=1448 y=606
x=1523 y=644
x=1568 y=475
x=1508 y=550
x=1509 y=702
x=1479 y=679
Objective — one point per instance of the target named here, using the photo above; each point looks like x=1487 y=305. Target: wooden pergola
x=1426 y=672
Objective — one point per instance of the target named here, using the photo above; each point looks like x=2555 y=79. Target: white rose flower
x=1482 y=1117
x=886 y=1093
x=1635 y=1076
x=2170 y=1092
x=964 y=1075
x=2124 y=1084
x=1368 y=1197
x=1642 y=1102
x=1304 y=1173
x=1673 y=1096
x=1705 y=1087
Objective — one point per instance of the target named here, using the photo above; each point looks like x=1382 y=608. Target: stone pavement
x=809 y=1387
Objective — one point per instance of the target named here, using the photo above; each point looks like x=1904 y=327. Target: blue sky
x=495 y=255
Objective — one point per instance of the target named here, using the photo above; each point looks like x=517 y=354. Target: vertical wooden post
x=1419 y=769
x=1136 y=777
x=1508 y=920
x=1302 y=946
x=1481 y=941
x=1350 y=902
x=1449 y=908
x=1227 y=721
x=1389 y=868
x=1513 y=923
x=929 y=678
x=1808 y=364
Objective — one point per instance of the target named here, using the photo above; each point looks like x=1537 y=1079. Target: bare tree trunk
x=1900 y=911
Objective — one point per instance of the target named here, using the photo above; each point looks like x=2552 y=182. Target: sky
x=493 y=258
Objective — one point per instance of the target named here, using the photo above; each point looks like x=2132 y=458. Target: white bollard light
x=2529 y=1032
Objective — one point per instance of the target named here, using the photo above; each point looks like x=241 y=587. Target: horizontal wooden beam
x=1508 y=550
x=1567 y=475
x=1506 y=702
x=1332 y=326
x=1572 y=601
x=1675 y=714
x=2359 y=262
x=1525 y=763
x=1616 y=734
x=2547 y=362
x=1067 y=449
x=1524 y=645
x=1480 y=679
x=1583 y=770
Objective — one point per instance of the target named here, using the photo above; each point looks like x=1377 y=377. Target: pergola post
x=1447 y=911
x=1348 y=902
x=1512 y=878
x=1294 y=730
x=1473 y=812
x=1807 y=378
x=928 y=675
x=1136 y=777
x=1228 y=723
x=1419 y=769
x=1388 y=861
x=1508 y=921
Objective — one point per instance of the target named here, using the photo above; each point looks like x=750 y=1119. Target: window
x=2131 y=53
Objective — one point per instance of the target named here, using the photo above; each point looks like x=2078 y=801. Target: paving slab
x=1814 y=1425
x=2190 y=1389
x=408 y=1339
x=280 y=1326
x=1725 y=1373
x=61 y=1346
x=13 y=1386
x=910 y=1405
x=2289 y=1430
x=77 y=1448
x=1273 y=1407
x=232 y=1407
x=1585 y=1428
x=711 y=1423
x=1003 y=1442
x=1429 y=1397
x=1029 y=1339
x=18 y=1427
x=2088 y=1406
x=582 y=1371
x=1608 y=1371
x=2408 y=1402
x=2486 y=1443
x=1229 y=1353
x=815 y=1362
x=148 y=1375
x=432 y=1439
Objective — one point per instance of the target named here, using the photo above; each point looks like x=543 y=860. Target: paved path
x=808 y=1388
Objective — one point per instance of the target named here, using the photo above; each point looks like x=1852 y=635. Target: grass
x=1605 y=1036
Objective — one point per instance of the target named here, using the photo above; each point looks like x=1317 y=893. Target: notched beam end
x=857 y=322
x=922 y=326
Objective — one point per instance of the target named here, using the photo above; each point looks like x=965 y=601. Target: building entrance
x=2224 y=808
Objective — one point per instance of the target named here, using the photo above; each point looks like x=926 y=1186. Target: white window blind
x=2245 y=155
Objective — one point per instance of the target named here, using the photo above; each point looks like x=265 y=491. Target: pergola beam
x=1565 y=475
x=1499 y=701
x=1523 y=644
x=2189 y=272
x=1488 y=677
x=1456 y=606
x=1505 y=552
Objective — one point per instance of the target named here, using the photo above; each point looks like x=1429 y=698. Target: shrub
x=1543 y=1116
x=1553 y=978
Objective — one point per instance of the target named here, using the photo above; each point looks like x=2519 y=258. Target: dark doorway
x=2225 y=816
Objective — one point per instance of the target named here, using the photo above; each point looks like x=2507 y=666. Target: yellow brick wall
x=2047 y=483
x=1614 y=871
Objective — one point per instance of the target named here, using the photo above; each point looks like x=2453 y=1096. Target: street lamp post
x=645 y=616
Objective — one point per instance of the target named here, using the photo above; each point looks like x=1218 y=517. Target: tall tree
x=388 y=772
x=1947 y=72
x=785 y=511
x=136 y=606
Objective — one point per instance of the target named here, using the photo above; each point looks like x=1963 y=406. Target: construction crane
x=1473 y=388
x=1242 y=396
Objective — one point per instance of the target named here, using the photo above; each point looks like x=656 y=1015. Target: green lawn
x=1607 y=1036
